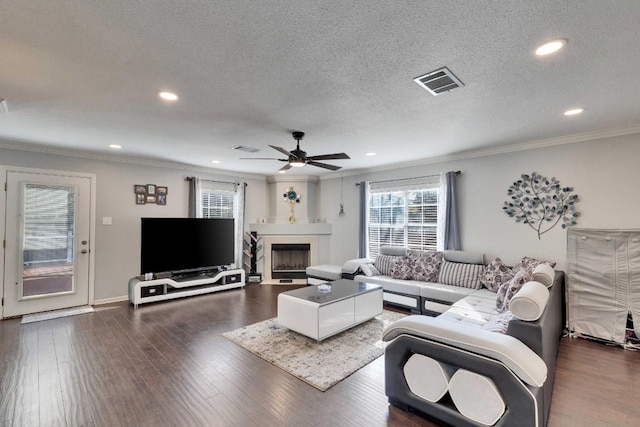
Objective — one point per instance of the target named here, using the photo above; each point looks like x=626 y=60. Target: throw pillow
x=495 y=274
x=401 y=268
x=369 y=270
x=425 y=265
x=530 y=264
x=509 y=289
x=461 y=274
x=384 y=263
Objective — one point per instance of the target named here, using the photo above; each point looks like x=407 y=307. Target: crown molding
x=493 y=151
x=20 y=146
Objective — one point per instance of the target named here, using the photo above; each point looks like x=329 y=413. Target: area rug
x=320 y=364
x=48 y=315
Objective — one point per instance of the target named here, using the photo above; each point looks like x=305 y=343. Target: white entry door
x=47 y=242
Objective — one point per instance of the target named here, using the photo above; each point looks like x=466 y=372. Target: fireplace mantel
x=274 y=229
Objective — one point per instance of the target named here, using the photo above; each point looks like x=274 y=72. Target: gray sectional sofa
x=450 y=363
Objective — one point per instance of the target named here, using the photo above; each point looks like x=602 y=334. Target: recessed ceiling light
x=370 y=154
x=168 y=96
x=573 y=111
x=282 y=171
x=115 y=146
x=215 y=161
x=551 y=47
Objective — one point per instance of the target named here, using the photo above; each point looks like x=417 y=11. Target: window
x=217 y=204
x=403 y=217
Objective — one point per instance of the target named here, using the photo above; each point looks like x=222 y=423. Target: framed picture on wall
x=140 y=189
x=162 y=198
x=161 y=190
x=151 y=199
x=151 y=189
x=141 y=199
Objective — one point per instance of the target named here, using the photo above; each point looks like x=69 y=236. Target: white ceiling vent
x=245 y=148
x=439 y=81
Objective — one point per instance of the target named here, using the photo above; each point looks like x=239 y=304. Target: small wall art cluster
x=541 y=203
x=150 y=193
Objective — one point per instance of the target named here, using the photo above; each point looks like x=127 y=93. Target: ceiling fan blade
x=336 y=156
x=286 y=167
x=259 y=158
x=282 y=150
x=324 y=165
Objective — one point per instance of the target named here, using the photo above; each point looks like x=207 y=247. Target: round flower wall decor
x=541 y=203
x=290 y=196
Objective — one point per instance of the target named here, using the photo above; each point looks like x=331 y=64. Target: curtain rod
x=407 y=179
x=190 y=178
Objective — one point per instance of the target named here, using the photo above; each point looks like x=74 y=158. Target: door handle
x=84 y=251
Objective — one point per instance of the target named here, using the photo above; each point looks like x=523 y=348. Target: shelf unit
x=143 y=291
x=253 y=254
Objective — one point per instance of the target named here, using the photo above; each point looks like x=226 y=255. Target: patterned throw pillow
x=500 y=323
x=495 y=274
x=384 y=263
x=461 y=274
x=425 y=264
x=531 y=263
x=509 y=289
x=402 y=268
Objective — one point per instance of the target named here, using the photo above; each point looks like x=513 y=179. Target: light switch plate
x=107 y=220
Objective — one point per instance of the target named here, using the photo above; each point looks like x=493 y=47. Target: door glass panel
x=48 y=240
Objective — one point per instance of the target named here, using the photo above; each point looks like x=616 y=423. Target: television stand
x=142 y=291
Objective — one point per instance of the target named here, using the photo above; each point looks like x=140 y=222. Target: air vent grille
x=245 y=148
x=439 y=81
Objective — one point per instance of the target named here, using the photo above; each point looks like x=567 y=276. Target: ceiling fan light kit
x=298 y=158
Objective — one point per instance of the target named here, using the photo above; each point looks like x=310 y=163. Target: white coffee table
x=319 y=315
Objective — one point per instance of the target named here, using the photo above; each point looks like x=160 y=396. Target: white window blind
x=217 y=204
x=403 y=213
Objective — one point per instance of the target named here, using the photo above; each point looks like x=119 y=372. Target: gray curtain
x=239 y=221
x=193 y=196
x=362 y=232
x=451 y=230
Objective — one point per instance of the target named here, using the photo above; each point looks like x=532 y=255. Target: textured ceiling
x=80 y=75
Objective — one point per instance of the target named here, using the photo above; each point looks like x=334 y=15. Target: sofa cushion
x=446 y=293
x=425 y=264
x=500 y=323
x=544 y=274
x=530 y=301
x=426 y=377
x=509 y=289
x=393 y=250
x=476 y=309
x=384 y=263
x=328 y=272
x=402 y=268
x=466 y=257
x=408 y=287
x=369 y=270
x=495 y=274
x=461 y=274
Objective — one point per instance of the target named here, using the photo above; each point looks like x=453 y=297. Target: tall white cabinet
x=603 y=282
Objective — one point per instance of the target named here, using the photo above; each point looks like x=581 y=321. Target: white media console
x=142 y=291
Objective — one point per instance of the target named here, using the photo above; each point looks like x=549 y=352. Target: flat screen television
x=183 y=245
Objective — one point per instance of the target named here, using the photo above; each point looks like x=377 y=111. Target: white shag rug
x=48 y=315
x=320 y=364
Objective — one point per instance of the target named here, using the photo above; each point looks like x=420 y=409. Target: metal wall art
x=541 y=203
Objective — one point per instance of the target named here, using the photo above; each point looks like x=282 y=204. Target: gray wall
x=604 y=173
x=117 y=247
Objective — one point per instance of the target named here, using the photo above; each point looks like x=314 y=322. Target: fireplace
x=289 y=260
x=287 y=257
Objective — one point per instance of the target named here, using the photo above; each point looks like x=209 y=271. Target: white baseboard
x=111 y=300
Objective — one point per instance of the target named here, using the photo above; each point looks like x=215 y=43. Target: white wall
x=604 y=174
x=117 y=247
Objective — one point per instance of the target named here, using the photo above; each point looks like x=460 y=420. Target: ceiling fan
x=298 y=158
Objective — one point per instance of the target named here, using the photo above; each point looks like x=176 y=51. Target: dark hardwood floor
x=166 y=364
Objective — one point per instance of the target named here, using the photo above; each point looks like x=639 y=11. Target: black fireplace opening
x=290 y=260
